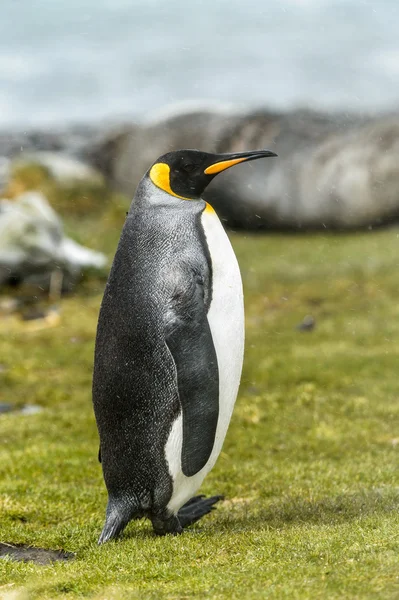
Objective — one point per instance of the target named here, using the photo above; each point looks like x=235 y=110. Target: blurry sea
x=65 y=61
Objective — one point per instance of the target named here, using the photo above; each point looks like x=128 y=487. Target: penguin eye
x=189 y=167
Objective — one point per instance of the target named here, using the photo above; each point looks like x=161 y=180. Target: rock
x=27 y=409
x=8 y=306
x=333 y=171
x=61 y=167
x=31 y=409
x=33 y=244
x=71 y=140
x=307 y=324
x=78 y=258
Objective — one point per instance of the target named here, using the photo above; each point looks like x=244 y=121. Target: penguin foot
x=196 y=508
x=190 y=513
x=163 y=526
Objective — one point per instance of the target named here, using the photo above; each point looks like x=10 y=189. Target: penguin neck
x=149 y=195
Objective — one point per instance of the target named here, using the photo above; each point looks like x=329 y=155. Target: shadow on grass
x=293 y=511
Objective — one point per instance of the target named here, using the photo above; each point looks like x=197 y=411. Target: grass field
x=309 y=468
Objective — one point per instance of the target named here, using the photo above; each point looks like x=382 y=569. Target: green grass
x=309 y=466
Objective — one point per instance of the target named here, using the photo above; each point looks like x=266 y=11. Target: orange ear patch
x=160 y=176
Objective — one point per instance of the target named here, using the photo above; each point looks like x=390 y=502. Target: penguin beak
x=229 y=160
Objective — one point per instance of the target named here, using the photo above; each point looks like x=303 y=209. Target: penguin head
x=186 y=173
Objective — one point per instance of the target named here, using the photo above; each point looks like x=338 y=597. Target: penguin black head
x=186 y=173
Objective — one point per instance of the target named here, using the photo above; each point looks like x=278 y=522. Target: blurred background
x=63 y=62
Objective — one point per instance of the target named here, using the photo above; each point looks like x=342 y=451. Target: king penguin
x=169 y=347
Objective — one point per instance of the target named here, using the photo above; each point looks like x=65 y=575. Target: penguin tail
x=117 y=517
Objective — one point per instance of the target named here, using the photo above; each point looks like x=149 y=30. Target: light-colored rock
x=63 y=168
x=33 y=244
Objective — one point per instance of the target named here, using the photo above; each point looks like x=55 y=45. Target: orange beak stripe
x=222 y=165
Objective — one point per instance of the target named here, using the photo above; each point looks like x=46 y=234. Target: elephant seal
x=335 y=171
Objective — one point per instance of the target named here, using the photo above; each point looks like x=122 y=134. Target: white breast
x=226 y=321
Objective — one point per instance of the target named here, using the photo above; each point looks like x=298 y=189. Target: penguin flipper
x=189 y=340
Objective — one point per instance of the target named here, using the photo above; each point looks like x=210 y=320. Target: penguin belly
x=226 y=321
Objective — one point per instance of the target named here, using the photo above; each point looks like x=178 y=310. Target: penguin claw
x=196 y=508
